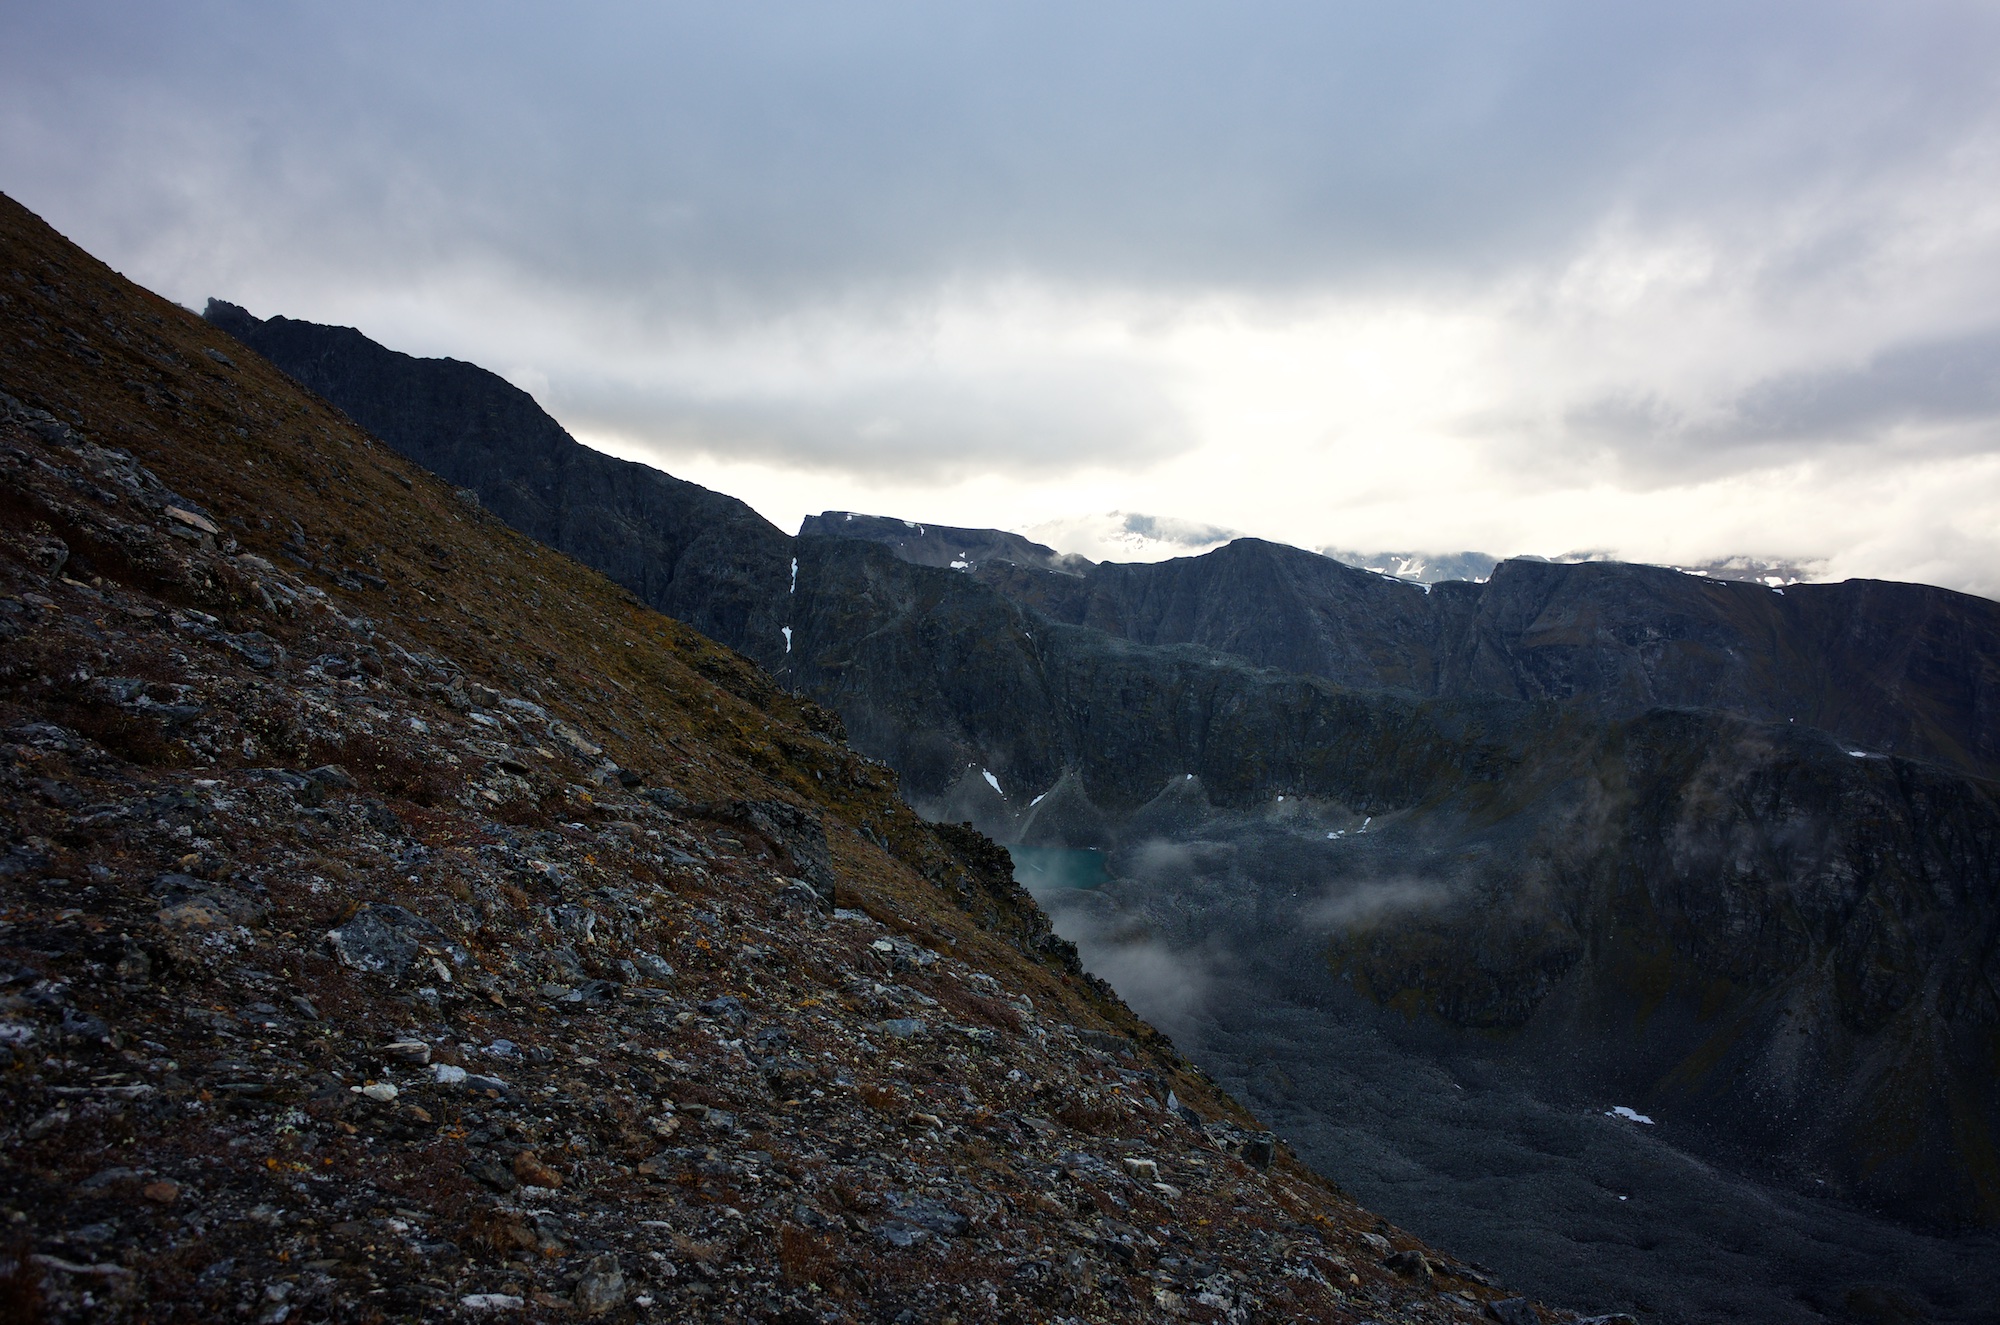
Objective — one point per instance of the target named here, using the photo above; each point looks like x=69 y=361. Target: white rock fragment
x=191 y=520
x=414 y=1052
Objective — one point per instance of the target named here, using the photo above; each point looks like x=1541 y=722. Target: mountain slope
x=402 y=922
x=1624 y=899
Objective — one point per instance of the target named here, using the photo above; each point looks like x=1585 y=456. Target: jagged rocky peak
x=924 y=544
x=397 y=917
x=235 y=319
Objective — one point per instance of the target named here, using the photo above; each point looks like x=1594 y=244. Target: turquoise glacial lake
x=1059 y=867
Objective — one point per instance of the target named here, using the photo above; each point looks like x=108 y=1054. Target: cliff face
x=1893 y=668
x=1896 y=668
x=400 y=921
x=1629 y=796
x=949 y=681
x=1271 y=605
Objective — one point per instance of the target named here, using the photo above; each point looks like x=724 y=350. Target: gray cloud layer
x=1932 y=381
x=1949 y=384
x=601 y=195
x=731 y=153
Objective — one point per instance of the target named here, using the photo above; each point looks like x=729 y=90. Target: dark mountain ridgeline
x=694 y=554
x=1634 y=785
x=1894 y=668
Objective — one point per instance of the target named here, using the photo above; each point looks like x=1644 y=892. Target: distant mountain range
x=1731 y=845
x=1434 y=568
x=1145 y=538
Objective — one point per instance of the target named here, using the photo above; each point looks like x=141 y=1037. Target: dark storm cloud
x=1937 y=381
x=1951 y=382
x=768 y=153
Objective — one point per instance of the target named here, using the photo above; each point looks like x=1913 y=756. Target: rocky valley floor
x=399 y=922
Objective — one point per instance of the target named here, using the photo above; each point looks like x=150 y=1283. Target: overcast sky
x=1670 y=280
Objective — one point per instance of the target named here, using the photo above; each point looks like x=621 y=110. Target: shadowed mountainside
x=1895 y=668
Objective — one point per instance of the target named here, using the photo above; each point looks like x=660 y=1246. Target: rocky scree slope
x=1708 y=902
x=398 y=921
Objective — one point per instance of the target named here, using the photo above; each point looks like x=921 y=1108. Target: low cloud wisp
x=1363 y=904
